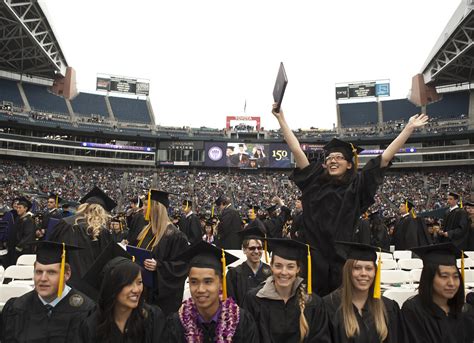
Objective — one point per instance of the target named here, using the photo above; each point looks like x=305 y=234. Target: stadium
x=57 y=139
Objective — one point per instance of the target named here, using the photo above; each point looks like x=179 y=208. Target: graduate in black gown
x=190 y=223
x=121 y=315
x=436 y=314
x=357 y=311
x=282 y=308
x=253 y=271
x=165 y=241
x=335 y=194
x=52 y=312
x=206 y=317
x=455 y=223
x=86 y=229
x=405 y=233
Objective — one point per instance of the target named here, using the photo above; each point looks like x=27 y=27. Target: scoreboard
x=362 y=90
x=122 y=85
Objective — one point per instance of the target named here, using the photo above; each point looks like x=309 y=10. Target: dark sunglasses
x=255 y=248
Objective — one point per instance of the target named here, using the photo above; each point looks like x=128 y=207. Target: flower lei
x=226 y=327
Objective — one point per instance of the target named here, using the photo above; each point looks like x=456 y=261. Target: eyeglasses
x=337 y=158
x=255 y=248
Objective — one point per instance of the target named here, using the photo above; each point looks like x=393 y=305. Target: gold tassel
x=61 y=272
x=224 y=281
x=265 y=249
x=413 y=214
x=462 y=267
x=377 y=292
x=148 y=207
x=133 y=258
x=310 y=272
x=356 y=156
x=406 y=206
x=252 y=214
x=57 y=201
x=212 y=211
x=460 y=202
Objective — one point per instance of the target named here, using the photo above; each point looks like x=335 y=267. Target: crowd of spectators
x=427 y=190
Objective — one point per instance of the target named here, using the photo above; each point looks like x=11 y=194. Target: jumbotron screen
x=247 y=155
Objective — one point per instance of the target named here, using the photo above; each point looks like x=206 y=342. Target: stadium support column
x=152 y=114
x=379 y=117
x=471 y=109
x=23 y=97
x=339 y=123
x=109 y=108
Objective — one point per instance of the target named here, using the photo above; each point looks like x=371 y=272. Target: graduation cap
x=157 y=195
x=440 y=254
x=25 y=202
x=454 y=195
x=469 y=203
x=410 y=208
x=365 y=252
x=348 y=150
x=137 y=200
x=112 y=256
x=51 y=253
x=290 y=249
x=254 y=209
x=56 y=198
x=205 y=255
x=187 y=203
x=219 y=201
x=97 y=196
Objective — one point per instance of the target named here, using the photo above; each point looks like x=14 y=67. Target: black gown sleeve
x=174 y=332
x=246 y=331
x=370 y=178
x=155 y=325
x=413 y=320
x=318 y=322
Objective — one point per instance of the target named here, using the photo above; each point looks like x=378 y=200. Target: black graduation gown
x=54 y=213
x=246 y=331
x=154 y=328
x=425 y=327
x=406 y=233
x=297 y=228
x=455 y=223
x=170 y=275
x=76 y=234
x=274 y=225
x=25 y=319
x=330 y=212
x=470 y=245
x=229 y=224
x=22 y=232
x=119 y=236
x=362 y=233
x=241 y=279
x=279 y=322
x=136 y=224
x=191 y=226
x=368 y=331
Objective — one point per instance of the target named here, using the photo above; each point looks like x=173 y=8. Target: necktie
x=49 y=310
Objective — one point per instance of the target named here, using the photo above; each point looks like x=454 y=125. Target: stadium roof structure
x=27 y=42
x=451 y=60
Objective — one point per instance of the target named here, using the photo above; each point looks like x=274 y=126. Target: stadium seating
x=12 y=291
x=452 y=105
x=86 y=104
x=130 y=110
x=9 y=92
x=399 y=109
x=40 y=99
x=26 y=260
x=358 y=114
x=410 y=263
x=400 y=295
x=399 y=254
x=389 y=264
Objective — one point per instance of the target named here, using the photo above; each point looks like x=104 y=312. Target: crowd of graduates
x=310 y=273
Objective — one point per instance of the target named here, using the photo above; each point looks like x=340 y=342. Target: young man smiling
x=253 y=271
x=205 y=317
x=51 y=312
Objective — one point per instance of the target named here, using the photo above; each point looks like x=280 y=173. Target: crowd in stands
x=427 y=190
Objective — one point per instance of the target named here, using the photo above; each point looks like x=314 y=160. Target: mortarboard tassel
x=460 y=202
x=310 y=272
x=377 y=292
x=133 y=258
x=212 y=211
x=356 y=156
x=61 y=272
x=462 y=266
x=148 y=207
x=406 y=206
x=413 y=214
x=57 y=201
x=265 y=249
x=224 y=282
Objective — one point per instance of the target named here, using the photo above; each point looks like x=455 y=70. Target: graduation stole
x=227 y=323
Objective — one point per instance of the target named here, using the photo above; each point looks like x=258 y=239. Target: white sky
x=204 y=58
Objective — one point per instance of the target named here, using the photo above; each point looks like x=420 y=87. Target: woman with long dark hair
x=436 y=314
x=284 y=310
x=121 y=315
x=357 y=311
